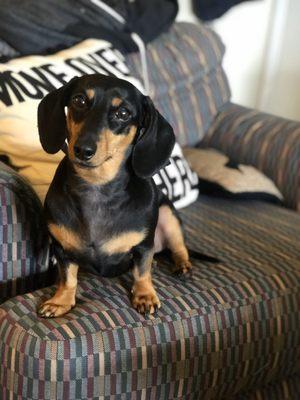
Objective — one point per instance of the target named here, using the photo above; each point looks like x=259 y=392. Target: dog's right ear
x=52 y=120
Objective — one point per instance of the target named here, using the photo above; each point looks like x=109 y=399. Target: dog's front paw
x=145 y=302
x=182 y=267
x=49 y=309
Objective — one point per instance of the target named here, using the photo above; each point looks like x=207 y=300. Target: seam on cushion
x=24 y=333
x=229 y=304
x=195 y=312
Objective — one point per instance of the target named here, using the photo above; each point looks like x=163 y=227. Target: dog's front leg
x=64 y=297
x=144 y=297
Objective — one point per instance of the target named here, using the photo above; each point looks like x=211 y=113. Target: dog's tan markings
x=123 y=242
x=74 y=129
x=116 y=101
x=64 y=298
x=68 y=239
x=90 y=93
x=144 y=297
x=111 y=149
x=171 y=229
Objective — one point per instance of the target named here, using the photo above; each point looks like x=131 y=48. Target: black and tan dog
x=103 y=210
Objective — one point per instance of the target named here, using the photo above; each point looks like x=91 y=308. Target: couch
x=229 y=331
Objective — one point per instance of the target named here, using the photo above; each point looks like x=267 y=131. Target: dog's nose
x=84 y=152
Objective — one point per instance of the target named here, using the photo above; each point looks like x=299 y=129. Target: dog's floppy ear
x=154 y=144
x=52 y=120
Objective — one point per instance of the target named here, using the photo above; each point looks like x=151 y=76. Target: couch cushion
x=287 y=389
x=230 y=327
x=23 y=248
x=187 y=81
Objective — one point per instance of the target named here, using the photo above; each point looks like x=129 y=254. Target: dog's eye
x=79 y=101
x=122 y=114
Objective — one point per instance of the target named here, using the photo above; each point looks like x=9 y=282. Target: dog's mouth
x=88 y=165
x=84 y=165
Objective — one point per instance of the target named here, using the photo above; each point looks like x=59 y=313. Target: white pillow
x=177 y=180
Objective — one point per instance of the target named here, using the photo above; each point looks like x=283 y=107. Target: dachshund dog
x=103 y=210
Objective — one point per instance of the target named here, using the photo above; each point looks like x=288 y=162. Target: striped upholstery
x=20 y=268
x=188 y=84
x=232 y=327
x=287 y=389
x=270 y=143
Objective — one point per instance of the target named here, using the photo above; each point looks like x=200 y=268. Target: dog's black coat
x=131 y=200
x=100 y=212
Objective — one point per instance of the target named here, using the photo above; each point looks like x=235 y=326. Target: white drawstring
x=135 y=37
x=109 y=11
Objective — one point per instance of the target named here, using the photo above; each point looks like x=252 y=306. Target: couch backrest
x=187 y=81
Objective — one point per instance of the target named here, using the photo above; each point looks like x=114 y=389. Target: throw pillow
x=220 y=176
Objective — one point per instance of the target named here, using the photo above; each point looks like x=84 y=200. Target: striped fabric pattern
x=270 y=143
x=231 y=327
x=287 y=389
x=187 y=81
x=21 y=269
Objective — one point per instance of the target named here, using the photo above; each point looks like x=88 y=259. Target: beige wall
x=244 y=31
x=282 y=86
x=262 y=58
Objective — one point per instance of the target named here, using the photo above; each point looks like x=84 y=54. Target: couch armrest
x=269 y=143
x=23 y=242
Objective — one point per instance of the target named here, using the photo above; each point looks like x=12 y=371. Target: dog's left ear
x=154 y=144
x=52 y=120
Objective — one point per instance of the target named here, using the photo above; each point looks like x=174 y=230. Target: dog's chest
x=109 y=230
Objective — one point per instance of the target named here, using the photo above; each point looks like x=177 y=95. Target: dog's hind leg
x=64 y=297
x=169 y=235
